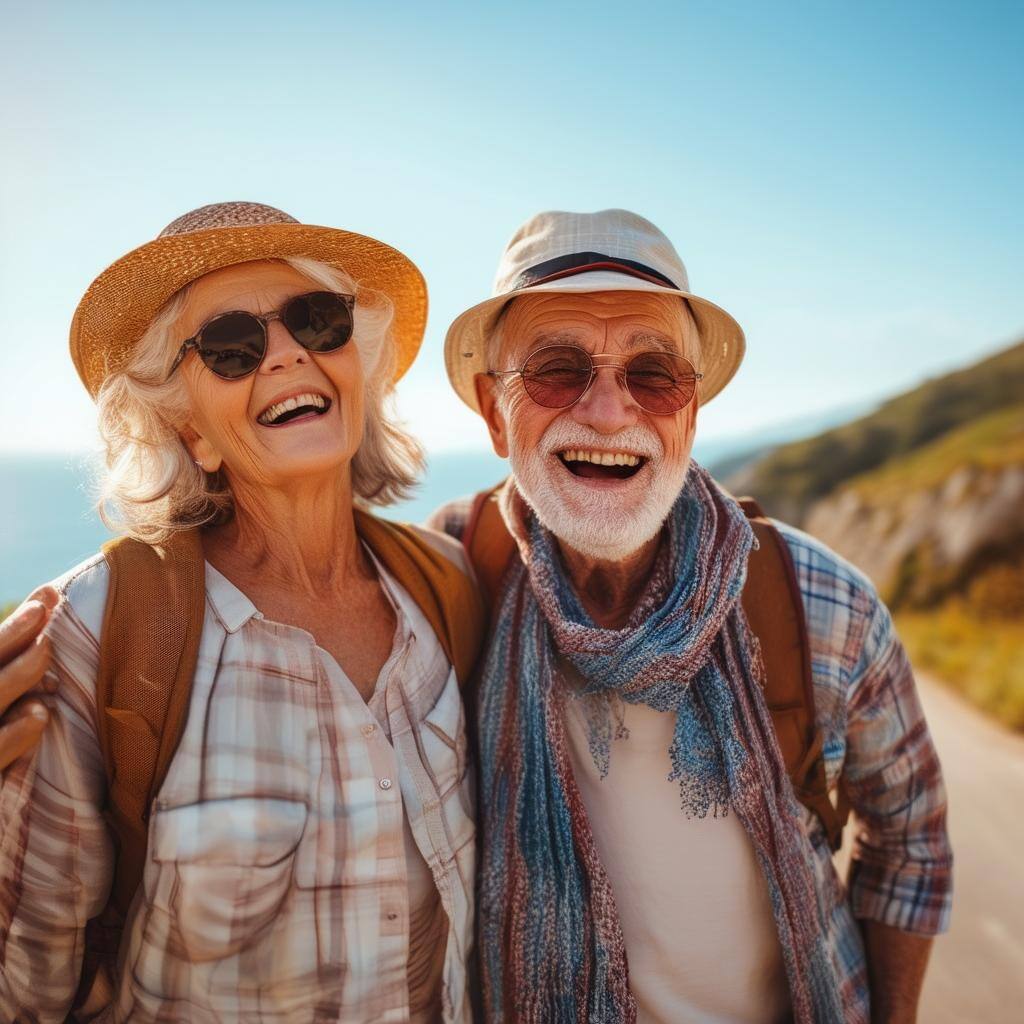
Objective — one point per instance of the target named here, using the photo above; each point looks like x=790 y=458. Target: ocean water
x=48 y=524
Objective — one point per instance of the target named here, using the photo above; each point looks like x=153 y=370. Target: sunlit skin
x=223 y=431
x=608 y=324
x=291 y=545
x=24 y=657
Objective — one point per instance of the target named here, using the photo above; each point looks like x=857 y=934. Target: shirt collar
x=397 y=598
x=234 y=609
x=228 y=603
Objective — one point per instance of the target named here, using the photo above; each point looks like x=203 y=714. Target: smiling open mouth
x=293 y=408
x=594 y=465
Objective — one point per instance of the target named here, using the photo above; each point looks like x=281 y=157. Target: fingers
x=24 y=659
x=46 y=595
x=25 y=672
x=21 y=731
x=26 y=621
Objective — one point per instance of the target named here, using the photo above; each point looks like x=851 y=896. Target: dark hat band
x=582 y=263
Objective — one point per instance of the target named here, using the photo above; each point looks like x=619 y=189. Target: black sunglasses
x=558 y=376
x=233 y=344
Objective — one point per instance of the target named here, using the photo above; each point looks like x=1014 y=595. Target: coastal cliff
x=926 y=495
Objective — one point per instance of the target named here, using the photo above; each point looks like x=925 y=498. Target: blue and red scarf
x=551 y=944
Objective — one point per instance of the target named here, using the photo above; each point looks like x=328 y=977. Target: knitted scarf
x=551 y=945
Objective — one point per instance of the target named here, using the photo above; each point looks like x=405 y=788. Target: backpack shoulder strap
x=148 y=648
x=489 y=546
x=775 y=612
x=446 y=595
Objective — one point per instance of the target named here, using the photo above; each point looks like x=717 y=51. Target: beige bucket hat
x=120 y=304
x=613 y=250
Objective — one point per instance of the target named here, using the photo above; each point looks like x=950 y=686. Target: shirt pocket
x=224 y=868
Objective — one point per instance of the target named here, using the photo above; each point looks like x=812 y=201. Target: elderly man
x=643 y=855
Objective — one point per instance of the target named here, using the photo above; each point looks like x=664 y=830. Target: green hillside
x=788 y=479
x=990 y=442
x=926 y=495
x=990 y=581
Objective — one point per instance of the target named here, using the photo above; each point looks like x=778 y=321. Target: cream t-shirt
x=693 y=902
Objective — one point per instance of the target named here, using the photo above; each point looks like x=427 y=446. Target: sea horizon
x=49 y=524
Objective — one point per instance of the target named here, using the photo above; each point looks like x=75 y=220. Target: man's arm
x=24 y=658
x=451 y=517
x=896 y=964
x=55 y=850
x=901 y=877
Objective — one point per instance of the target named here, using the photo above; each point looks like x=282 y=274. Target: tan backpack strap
x=774 y=609
x=488 y=543
x=446 y=596
x=151 y=630
x=152 y=624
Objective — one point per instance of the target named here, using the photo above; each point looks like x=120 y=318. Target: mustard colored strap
x=446 y=596
x=774 y=608
x=151 y=630
x=152 y=624
x=488 y=543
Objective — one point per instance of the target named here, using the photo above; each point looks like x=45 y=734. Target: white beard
x=607 y=524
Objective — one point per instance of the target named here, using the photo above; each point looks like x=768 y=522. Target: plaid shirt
x=875 y=740
x=275 y=887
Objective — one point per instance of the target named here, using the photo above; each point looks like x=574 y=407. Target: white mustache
x=637 y=440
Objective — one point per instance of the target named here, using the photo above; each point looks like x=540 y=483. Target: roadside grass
x=980 y=656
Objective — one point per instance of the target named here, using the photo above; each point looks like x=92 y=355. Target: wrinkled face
x=560 y=457
x=241 y=425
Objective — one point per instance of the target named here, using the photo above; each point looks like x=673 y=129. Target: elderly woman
x=252 y=806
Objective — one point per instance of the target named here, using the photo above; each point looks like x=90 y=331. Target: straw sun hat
x=613 y=250
x=120 y=304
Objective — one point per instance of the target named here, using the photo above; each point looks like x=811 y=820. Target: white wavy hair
x=152 y=487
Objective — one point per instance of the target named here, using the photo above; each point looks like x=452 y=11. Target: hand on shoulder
x=24 y=659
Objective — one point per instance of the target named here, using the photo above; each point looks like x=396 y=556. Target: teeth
x=600 y=458
x=280 y=408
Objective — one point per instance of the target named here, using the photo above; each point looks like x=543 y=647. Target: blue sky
x=844 y=179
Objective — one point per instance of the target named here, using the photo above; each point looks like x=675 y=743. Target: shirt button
x=392 y=916
x=385 y=783
x=368 y=730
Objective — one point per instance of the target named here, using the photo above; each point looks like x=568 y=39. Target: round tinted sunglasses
x=233 y=344
x=558 y=376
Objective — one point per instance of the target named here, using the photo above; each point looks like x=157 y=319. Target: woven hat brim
x=465 y=350
x=120 y=304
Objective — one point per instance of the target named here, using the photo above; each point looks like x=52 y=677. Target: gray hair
x=153 y=488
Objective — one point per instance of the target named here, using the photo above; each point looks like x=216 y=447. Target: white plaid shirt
x=275 y=887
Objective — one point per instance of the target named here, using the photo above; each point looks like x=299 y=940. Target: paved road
x=976 y=974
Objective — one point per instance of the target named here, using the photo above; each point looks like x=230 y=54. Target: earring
x=199 y=464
